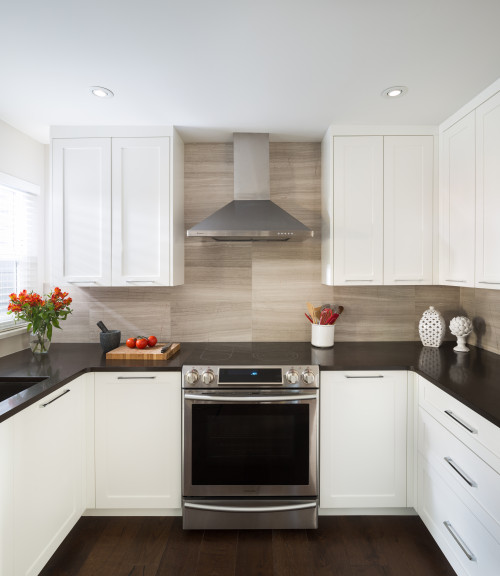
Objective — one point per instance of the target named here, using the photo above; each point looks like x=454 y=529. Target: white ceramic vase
x=432 y=328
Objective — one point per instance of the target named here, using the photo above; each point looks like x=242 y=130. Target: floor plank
x=254 y=553
x=182 y=550
x=217 y=553
x=291 y=553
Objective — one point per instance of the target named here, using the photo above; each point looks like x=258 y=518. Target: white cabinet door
x=81 y=199
x=48 y=495
x=408 y=194
x=138 y=440
x=358 y=210
x=457 y=203
x=141 y=211
x=7 y=497
x=363 y=439
x=488 y=194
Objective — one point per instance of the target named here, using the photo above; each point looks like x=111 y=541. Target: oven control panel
x=250 y=376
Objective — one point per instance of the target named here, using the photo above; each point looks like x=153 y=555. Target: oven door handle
x=256 y=399
x=285 y=508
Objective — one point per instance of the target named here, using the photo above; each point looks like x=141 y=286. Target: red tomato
x=152 y=340
x=142 y=343
x=131 y=342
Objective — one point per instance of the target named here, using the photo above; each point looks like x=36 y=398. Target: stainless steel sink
x=12 y=385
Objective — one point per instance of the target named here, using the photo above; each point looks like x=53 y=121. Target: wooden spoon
x=310 y=309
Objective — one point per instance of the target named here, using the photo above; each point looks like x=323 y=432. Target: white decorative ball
x=432 y=328
x=460 y=326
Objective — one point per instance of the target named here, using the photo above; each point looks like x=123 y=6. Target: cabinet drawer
x=476 y=432
x=467 y=544
x=476 y=482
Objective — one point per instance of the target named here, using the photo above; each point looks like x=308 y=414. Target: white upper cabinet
x=377 y=209
x=358 y=182
x=118 y=208
x=457 y=203
x=81 y=197
x=488 y=193
x=408 y=196
x=140 y=222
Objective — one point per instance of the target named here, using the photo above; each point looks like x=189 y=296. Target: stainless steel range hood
x=251 y=215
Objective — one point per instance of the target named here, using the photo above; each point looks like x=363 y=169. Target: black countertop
x=473 y=377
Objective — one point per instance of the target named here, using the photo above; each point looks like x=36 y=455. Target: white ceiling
x=211 y=67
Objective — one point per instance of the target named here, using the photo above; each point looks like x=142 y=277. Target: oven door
x=253 y=445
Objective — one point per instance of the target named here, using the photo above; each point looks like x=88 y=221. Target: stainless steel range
x=250 y=447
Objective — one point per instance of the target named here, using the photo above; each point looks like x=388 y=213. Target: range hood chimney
x=251 y=215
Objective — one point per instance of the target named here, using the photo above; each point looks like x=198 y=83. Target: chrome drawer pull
x=374 y=376
x=54 y=399
x=286 y=508
x=451 y=280
x=461 y=422
x=459 y=541
x=460 y=472
x=135 y=377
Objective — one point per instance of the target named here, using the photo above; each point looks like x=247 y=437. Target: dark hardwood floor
x=157 y=546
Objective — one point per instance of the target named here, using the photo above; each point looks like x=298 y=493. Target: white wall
x=24 y=158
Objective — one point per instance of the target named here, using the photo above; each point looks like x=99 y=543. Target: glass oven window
x=254 y=444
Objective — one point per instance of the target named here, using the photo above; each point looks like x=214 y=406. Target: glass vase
x=39 y=342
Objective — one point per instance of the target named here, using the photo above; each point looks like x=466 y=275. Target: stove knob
x=191 y=376
x=308 y=376
x=292 y=376
x=207 y=377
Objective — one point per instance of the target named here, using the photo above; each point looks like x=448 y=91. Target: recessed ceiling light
x=395 y=91
x=101 y=92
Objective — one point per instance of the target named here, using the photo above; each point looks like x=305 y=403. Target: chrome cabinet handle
x=256 y=399
x=54 y=399
x=465 y=549
x=451 y=280
x=461 y=422
x=460 y=472
x=364 y=376
x=83 y=282
x=252 y=509
x=486 y=282
x=135 y=377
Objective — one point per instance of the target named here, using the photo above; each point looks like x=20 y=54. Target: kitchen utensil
x=332 y=319
x=309 y=318
x=102 y=326
x=317 y=314
x=154 y=353
x=165 y=348
x=326 y=306
x=326 y=315
x=310 y=309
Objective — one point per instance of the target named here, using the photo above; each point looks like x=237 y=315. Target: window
x=19 y=241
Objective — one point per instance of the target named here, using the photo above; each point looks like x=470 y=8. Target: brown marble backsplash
x=483 y=308
x=246 y=291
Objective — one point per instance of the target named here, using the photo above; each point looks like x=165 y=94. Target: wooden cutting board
x=126 y=353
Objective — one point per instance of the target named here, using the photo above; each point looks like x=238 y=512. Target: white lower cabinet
x=459 y=481
x=138 y=440
x=6 y=497
x=47 y=472
x=467 y=544
x=363 y=439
